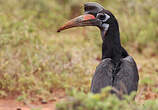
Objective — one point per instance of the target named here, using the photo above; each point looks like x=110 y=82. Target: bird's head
x=95 y=15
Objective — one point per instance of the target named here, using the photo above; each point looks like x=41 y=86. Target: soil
x=12 y=104
x=6 y=104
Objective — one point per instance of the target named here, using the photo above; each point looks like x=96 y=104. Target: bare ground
x=13 y=104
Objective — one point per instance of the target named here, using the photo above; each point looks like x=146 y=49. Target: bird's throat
x=111 y=46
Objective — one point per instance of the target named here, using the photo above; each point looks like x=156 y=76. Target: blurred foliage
x=103 y=101
x=35 y=60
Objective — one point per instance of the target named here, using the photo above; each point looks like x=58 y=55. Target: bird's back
x=102 y=76
x=125 y=80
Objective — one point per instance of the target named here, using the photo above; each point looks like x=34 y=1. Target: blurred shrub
x=103 y=101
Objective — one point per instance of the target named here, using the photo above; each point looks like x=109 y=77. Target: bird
x=117 y=68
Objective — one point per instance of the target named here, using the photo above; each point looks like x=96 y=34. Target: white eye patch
x=106 y=18
x=102 y=17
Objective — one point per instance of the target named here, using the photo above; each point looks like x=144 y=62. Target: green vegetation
x=103 y=101
x=35 y=61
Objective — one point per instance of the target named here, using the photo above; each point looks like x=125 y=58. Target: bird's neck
x=111 y=47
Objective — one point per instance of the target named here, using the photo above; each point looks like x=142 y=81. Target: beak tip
x=59 y=30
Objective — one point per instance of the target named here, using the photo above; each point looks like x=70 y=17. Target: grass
x=35 y=61
x=103 y=101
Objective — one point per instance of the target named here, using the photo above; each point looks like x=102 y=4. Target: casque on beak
x=83 y=20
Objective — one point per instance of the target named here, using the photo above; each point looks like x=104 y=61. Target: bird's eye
x=101 y=16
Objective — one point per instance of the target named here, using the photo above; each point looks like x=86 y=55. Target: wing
x=102 y=76
x=126 y=80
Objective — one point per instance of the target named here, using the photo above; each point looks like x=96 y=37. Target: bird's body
x=123 y=77
x=117 y=68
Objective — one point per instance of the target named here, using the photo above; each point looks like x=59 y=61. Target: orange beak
x=83 y=20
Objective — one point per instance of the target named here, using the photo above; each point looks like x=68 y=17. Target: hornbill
x=117 y=69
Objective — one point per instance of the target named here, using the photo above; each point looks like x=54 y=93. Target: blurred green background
x=35 y=61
